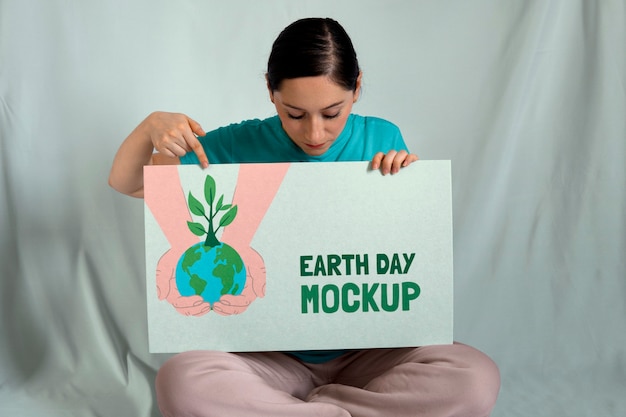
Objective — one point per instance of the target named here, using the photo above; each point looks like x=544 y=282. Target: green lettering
x=362 y=265
x=333 y=291
x=382 y=264
x=348 y=259
x=409 y=261
x=368 y=297
x=310 y=295
x=319 y=266
x=304 y=266
x=333 y=264
x=395 y=265
x=410 y=291
x=395 y=298
x=345 y=297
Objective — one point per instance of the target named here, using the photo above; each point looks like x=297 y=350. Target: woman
x=313 y=79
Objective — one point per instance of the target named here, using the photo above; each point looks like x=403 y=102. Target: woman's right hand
x=171 y=134
x=175 y=134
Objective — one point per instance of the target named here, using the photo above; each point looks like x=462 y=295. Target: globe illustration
x=210 y=271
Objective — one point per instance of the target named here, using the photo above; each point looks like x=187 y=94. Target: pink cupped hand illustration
x=195 y=305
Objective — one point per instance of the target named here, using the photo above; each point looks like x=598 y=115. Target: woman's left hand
x=392 y=161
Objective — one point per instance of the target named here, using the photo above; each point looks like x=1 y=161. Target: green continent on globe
x=210 y=272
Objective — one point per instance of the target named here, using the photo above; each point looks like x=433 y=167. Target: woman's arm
x=172 y=135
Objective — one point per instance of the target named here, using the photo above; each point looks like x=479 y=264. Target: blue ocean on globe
x=210 y=272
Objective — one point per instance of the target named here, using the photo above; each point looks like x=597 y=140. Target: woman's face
x=313 y=111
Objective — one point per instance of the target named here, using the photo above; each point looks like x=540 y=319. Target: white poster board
x=298 y=256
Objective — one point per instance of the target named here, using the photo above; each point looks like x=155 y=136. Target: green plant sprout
x=197 y=208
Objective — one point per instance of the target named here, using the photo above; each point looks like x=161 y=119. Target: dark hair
x=311 y=47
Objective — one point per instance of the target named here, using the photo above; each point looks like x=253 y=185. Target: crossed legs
x=442 y=381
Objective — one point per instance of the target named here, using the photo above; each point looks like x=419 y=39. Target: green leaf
x=219 y=203
x=228 y=217
x=195 y=206
x=196 y=228
x=226 y=207
x=209 y=189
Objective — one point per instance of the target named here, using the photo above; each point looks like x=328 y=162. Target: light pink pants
x=442 y=381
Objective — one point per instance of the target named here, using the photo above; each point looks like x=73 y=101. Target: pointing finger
x=195 y=127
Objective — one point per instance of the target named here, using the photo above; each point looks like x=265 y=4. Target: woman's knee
x=481 y=382
x=171 y=372
x=469 y=379
x=185 y=375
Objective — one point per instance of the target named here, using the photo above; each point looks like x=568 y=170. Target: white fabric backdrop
x=527 y=98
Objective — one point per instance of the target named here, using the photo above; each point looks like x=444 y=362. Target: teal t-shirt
x=257 y=141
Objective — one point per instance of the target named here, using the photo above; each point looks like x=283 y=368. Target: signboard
x=298 y=256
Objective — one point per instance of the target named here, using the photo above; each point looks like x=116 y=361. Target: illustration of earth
x=210 y=272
